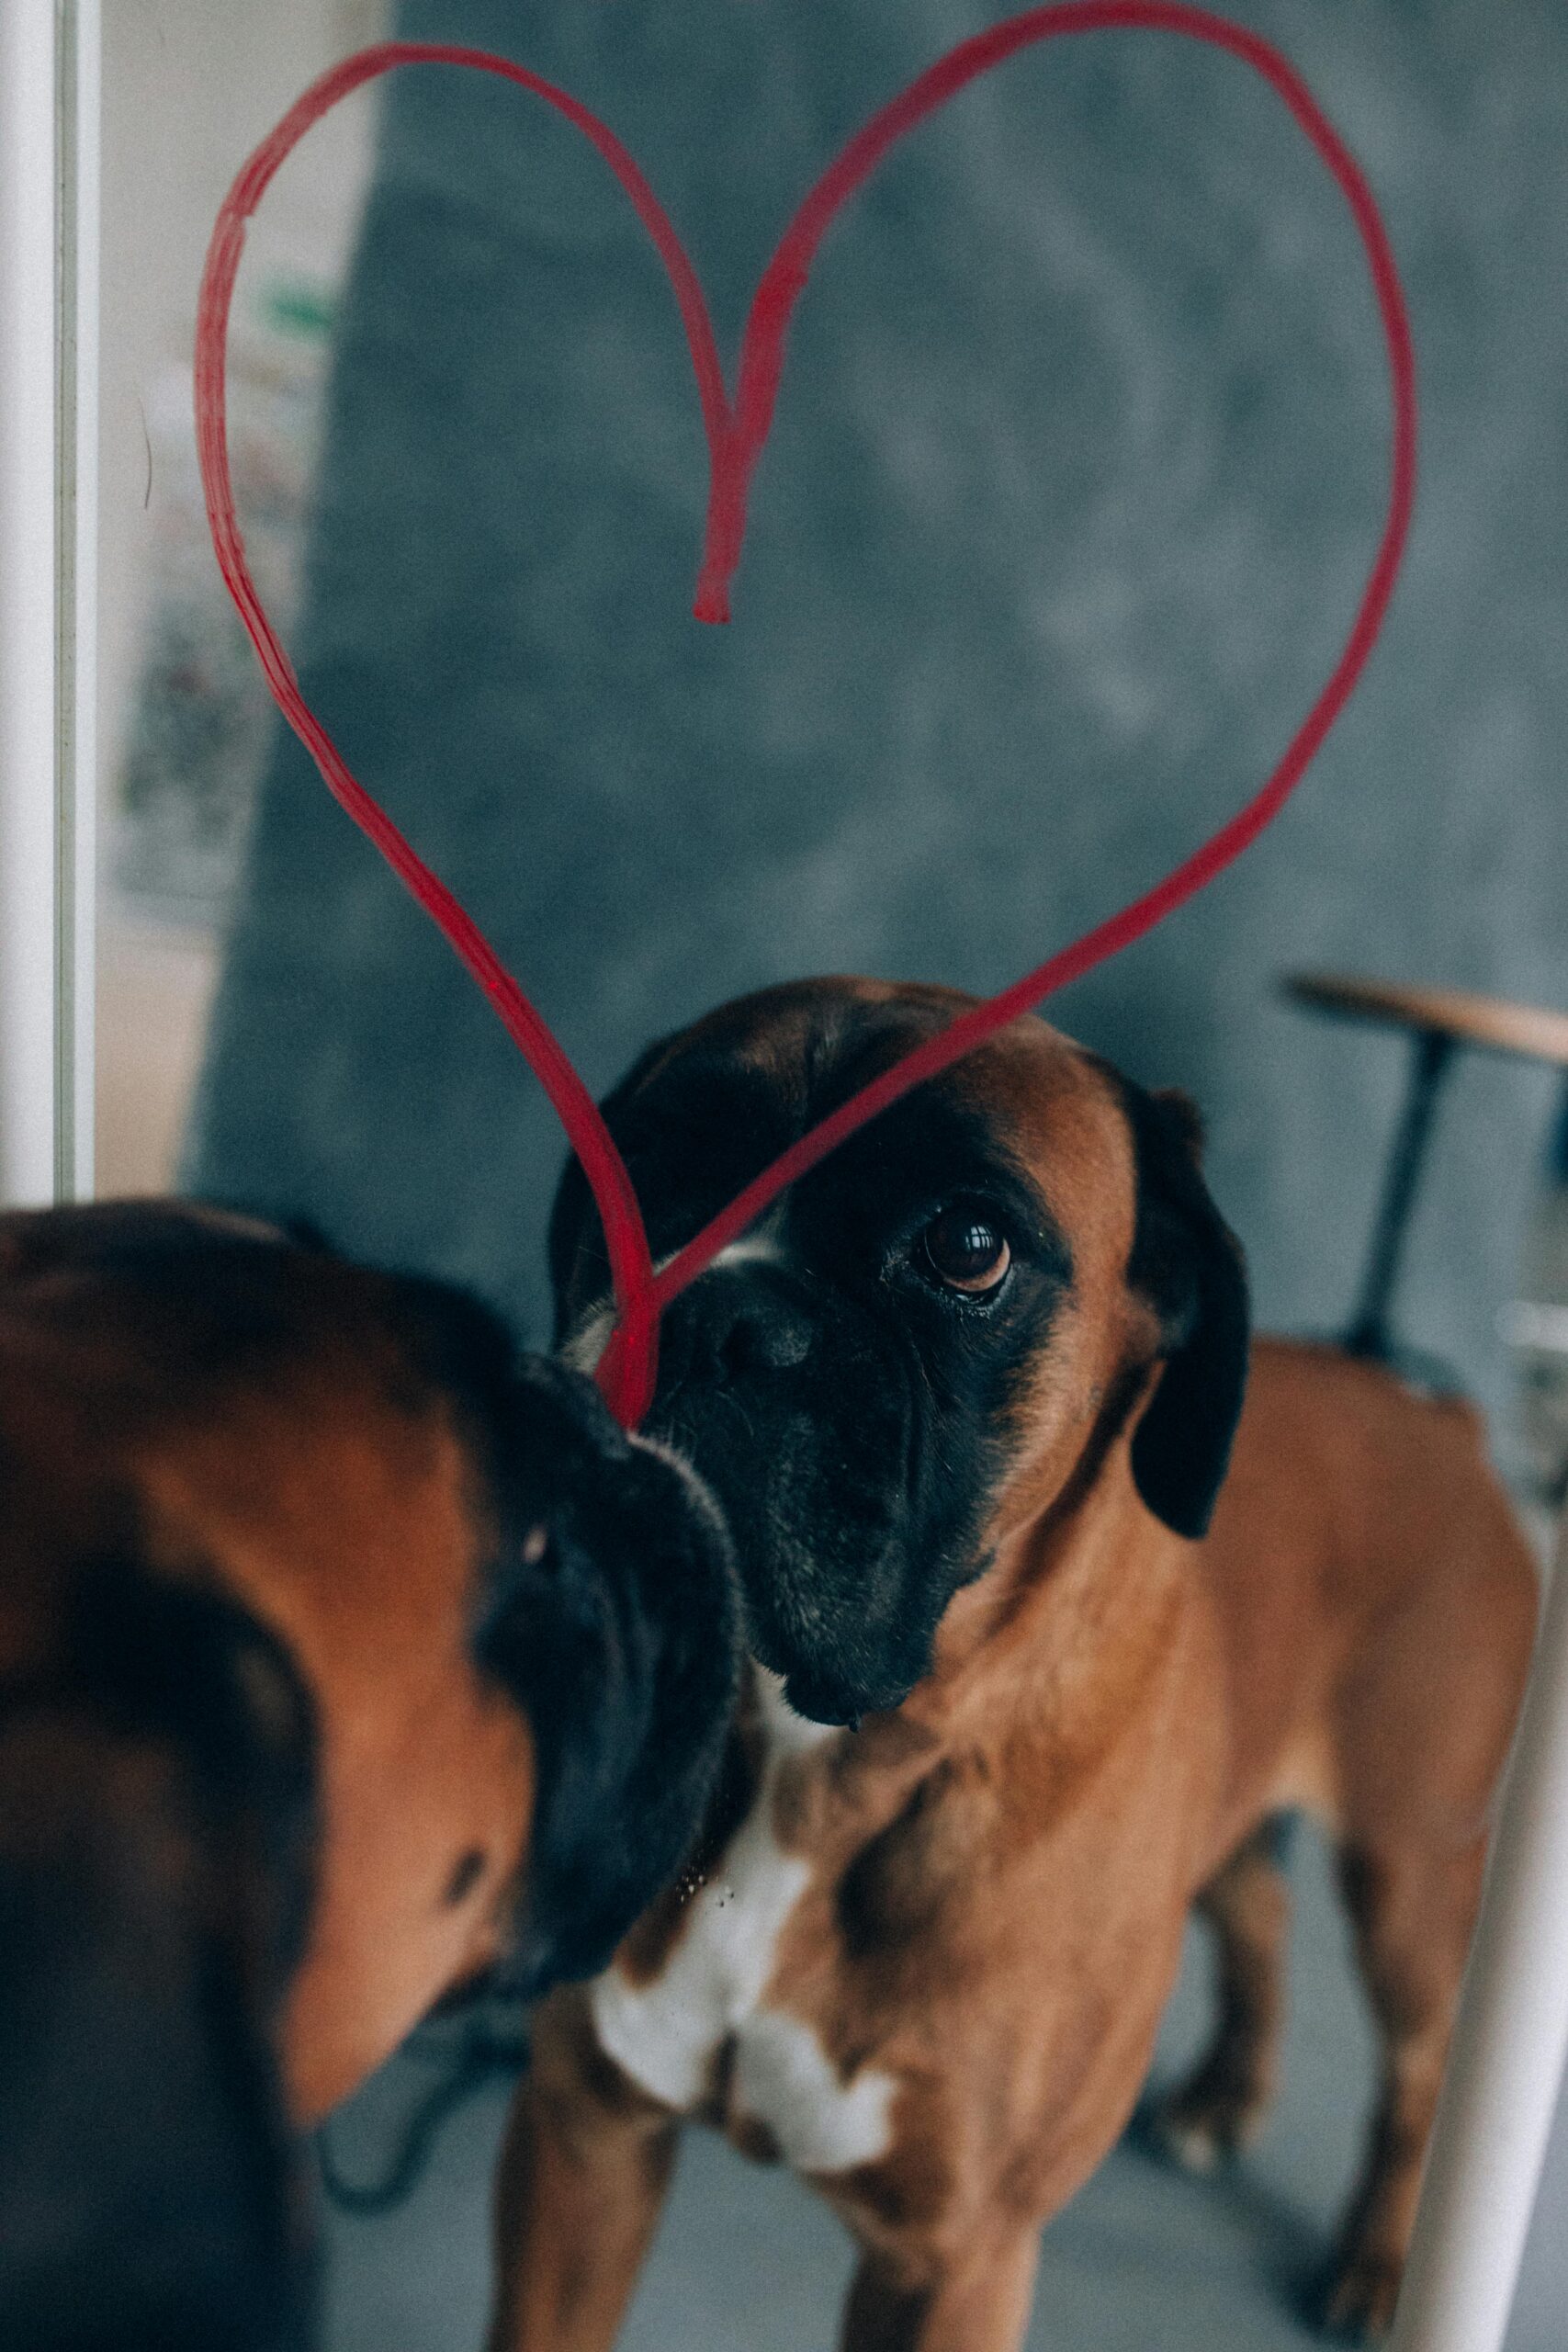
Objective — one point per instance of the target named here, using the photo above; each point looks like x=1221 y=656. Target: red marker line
x=736 y=436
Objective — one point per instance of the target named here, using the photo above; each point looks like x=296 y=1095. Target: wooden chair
x=1438 y=1022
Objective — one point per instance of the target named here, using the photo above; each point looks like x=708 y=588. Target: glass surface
x=185 y=717
x=189 y=85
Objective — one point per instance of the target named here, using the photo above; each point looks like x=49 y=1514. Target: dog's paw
x=1359 y=2305
x=1201 y=2128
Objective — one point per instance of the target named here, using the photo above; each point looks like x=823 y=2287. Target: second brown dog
x=344 y=1652
x=1033 y=1675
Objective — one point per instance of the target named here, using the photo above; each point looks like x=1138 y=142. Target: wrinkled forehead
x=776 y=1063
x=801 y=1048
x=1058 y=1112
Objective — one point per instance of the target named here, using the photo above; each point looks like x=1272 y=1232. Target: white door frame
x=50 y=146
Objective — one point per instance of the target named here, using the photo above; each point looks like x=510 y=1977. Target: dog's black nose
x=740 y=1319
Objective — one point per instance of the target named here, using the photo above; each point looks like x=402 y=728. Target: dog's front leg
x=583 y=2175
x=973 y=2299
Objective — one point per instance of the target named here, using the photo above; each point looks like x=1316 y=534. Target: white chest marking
x=667 y=2034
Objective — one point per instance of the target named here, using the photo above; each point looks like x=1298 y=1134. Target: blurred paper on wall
x=201 y=721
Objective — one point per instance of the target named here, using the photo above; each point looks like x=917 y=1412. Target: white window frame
x=1509 y=2047
x=50 y=116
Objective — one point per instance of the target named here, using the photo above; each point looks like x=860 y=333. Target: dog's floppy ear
x=1189 y=1266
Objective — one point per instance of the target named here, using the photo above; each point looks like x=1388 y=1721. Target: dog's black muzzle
x=614 y=1619
x=799 y=1409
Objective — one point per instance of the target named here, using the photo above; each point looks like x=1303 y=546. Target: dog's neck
x=1060 y=1606
x=1050 y=1646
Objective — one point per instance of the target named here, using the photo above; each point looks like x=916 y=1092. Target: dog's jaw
x=788 y=1734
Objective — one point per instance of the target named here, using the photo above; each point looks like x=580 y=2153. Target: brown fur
x=334 y=1496
x=1001 y=1868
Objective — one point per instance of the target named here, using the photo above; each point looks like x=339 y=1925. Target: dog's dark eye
x=964 y=1252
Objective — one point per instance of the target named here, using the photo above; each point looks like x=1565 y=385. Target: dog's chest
x=707 y=2009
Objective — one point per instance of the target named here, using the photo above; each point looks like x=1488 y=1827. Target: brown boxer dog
x=1032 y=1677
x=343 y=1653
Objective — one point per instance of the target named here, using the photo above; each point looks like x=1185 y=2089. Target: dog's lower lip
x=819 y=1706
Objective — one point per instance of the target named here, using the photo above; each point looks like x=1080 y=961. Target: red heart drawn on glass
x=737 y=432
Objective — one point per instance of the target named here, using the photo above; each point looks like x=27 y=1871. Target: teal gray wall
x=1075 y=477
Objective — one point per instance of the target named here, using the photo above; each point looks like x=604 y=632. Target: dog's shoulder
x=1347 y=1473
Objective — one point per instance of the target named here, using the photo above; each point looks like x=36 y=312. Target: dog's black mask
x=850 y=1406
x=846 y=1409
